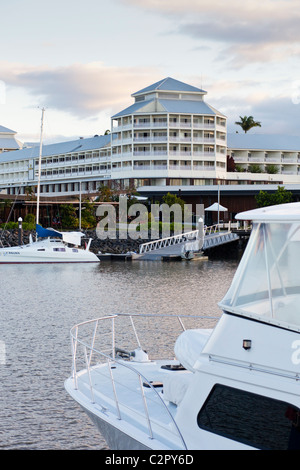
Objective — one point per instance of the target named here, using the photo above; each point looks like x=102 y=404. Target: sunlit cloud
x=80 y=89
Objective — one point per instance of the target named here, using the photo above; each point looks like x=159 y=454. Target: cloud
x=250 y=31
x=81 y=89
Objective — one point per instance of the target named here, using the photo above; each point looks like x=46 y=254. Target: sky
x=82 y=60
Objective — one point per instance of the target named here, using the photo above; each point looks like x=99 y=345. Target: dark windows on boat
x=59 y=249
x=257 y=421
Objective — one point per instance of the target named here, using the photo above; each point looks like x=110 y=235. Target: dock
x=185 y=246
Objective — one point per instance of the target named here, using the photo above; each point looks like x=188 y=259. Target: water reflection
x=39 y=306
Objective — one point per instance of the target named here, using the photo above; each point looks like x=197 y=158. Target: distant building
x=168 y=138
x=8 y=141
x=170 y=135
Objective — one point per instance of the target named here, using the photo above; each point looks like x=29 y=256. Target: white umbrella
x=216 y=207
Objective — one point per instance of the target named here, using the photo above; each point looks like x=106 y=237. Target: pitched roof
x=60 y=148
x=169 y=84
x=169 y=106
x=9 y=143
x=263 y=142
x=5 y=130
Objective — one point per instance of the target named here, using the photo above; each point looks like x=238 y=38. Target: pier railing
x=101 y=345
x=212 y=236
x=167 y=241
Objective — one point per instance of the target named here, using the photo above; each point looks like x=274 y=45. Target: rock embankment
x=114 y=246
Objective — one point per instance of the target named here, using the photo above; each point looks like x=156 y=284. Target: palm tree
x=247 y=122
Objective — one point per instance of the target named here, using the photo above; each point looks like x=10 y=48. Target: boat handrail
x=90 y=350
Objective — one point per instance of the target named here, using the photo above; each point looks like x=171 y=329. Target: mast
x=40 y=165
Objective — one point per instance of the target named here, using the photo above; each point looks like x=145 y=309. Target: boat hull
x=46 y=251
x=114 y=437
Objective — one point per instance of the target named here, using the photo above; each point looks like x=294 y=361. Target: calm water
x=39 y=305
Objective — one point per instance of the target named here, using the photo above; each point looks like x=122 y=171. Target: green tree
x=255 y=169
x=88 y=216
x=247 y=122
x=68 y=215
x=281 y=196
x=272 y=169
x=171 y=199
x=29 y=222
x=106 y=194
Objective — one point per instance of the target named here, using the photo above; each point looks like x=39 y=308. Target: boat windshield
x=267 y=282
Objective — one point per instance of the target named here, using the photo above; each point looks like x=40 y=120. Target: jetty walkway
x=187 y=244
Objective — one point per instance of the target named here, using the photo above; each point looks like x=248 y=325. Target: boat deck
x=129 y=387
x=120 y=391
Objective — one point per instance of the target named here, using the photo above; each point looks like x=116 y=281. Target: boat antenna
x=40 y=165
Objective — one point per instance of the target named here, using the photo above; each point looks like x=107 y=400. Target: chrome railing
x=99 y=360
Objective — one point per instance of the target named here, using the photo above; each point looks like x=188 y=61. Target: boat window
x=255 y=420
x=267 y=281
x=59 y=249
x=41 y=249
x=74 y=250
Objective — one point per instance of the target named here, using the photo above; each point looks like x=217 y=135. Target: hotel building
x=8 y=141
x=169 y=137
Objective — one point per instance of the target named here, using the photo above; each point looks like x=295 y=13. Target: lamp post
x=20 y=220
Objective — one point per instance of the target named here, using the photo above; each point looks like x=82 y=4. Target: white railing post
x=93 y=342
x=89 y=374
x=114 y=389
x=113 y=338
x=146 y=408
x=74 y=351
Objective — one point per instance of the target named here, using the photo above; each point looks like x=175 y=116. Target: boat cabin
x=266 y=285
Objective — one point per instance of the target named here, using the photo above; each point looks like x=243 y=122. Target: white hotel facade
x=169 y=136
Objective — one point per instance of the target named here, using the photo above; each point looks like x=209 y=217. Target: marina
x=40 y=304
x=149 y=228
x=232 y=385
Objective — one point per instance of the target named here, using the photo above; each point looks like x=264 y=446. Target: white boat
x=51 y=246
x=232 y=385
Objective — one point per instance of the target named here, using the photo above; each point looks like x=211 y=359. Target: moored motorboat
x=232 y=385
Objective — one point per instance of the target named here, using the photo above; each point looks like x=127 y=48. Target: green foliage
x=106 y=194
x=68 y=215
x=15 y=226
x=29 y=222
x=88 y=216
x=281 y=196
x=272 y=169
x=171 y=199
x=247 y=122
x=240 y=169
x=254 y=169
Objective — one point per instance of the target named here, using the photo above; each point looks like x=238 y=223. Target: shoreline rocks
x=10 y=237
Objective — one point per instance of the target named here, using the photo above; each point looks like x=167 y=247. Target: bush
x=15 y=226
